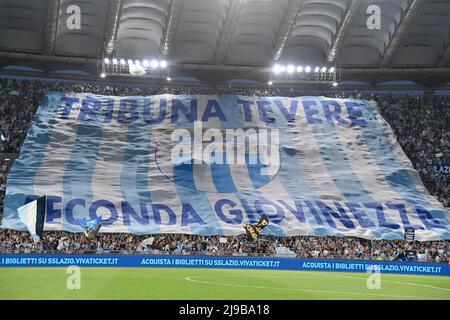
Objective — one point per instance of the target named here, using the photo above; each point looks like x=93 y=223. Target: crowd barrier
x=176 y=261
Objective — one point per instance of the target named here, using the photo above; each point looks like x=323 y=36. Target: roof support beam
x=112 y=25
x=229 y=24
x=50 y=26
x=338 y=41
x=400 y=32
x=171 y=26
x=294 y=8
x=445 y=57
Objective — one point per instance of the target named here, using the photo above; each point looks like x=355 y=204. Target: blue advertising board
x=169 y=261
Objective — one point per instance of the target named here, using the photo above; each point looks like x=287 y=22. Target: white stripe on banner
x=27 y=215
x=162 y=189
x=367 y=171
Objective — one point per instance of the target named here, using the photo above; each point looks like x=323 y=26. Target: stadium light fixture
x=169 y=79
x=270 y=83
x=137 y=62
x=102 y=75
x=276 y=69
x=106 y=60
x=335 y=84
x=130 y=62
x=319 y=73
x=122 y=62
x=163 y=64
x=290 y=68
x=145 y=63
x=115 y=61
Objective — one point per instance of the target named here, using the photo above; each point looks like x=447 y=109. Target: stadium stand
x=419 y=122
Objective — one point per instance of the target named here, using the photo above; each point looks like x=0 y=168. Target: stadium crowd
x=421 y=124
x=266 y=245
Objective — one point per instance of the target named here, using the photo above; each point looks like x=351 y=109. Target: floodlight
x=153 y=64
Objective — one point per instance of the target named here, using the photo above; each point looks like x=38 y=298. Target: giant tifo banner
x=210 y=164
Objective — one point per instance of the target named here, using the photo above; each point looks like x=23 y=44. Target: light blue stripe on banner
x=221 y=176
x=291 y=174
x=23 y=172
x=77 y=181
x=235 y=119
x=134 y=177
x=394 y=171
x=342 y=173
x=185 y=176
x=254 y=171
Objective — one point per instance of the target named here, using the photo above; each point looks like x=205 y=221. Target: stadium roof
x=237 y=37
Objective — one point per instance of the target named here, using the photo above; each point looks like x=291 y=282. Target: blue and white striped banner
x=341 y=170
